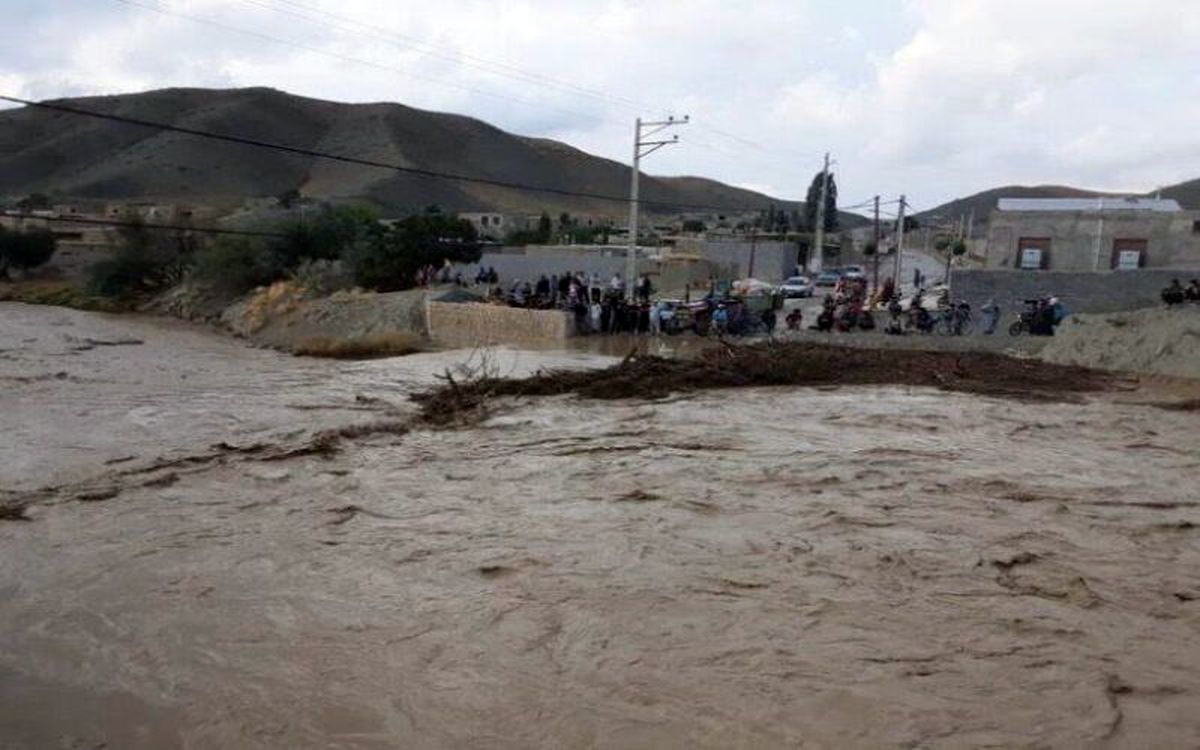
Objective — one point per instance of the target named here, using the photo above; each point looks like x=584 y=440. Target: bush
x=146 y=261
x=25 y=250
x=323 y=277
x=388 y=260
x=233 y=265
x=326 y=236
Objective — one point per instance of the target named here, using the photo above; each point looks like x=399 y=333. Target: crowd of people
x=605 y=307
x=598 y=307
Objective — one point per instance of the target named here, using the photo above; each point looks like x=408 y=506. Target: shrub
x=146 y=261
x=234 y=265
x=323 y=277
x=25 y=250
x=388 y=260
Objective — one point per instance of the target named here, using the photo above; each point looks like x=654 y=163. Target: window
x=483 y=220
x=1128 y=254
x=1196 y=227
x=1033 y=253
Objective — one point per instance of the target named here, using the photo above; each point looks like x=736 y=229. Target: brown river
x=789 y=567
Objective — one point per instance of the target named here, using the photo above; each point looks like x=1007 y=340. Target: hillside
x=69 y=155
x=1187 y=193
x=983 y=203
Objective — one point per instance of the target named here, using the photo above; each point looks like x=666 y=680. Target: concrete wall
x=1171 y=239
x=773 y=261
x=512 y=268
x=666 y=275
x=471 y=324
x=1104 y=291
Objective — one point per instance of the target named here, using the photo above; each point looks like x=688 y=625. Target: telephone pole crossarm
x=642 y=148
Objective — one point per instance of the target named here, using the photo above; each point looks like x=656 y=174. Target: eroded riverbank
x=861 y=566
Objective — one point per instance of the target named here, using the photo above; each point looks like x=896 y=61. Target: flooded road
x=854 y=567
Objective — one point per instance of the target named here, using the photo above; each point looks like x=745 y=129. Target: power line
x=350 y=58
x=300 y=151
x=142 y=225
x=496 y=67
x=491 y=66
x=532 y=77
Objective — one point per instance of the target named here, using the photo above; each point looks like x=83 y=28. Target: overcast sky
x=933 y=98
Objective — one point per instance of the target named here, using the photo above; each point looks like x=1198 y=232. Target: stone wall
x=472 y=324
x=1084 y=291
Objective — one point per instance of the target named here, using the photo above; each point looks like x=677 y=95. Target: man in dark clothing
x=768 y=319
x=645 y=289
x=543 y=287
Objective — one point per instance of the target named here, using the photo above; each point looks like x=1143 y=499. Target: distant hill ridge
x=982 y=204
x=71 y=155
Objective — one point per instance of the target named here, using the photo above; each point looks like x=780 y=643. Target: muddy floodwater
x=787 y=567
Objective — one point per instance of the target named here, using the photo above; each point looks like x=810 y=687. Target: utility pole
x=877 y=248
x=899 y=244
x=817 y=257
x=641 y=148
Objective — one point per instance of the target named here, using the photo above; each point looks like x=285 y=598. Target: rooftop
x=1165 y=205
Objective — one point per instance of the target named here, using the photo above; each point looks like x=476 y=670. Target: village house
x=1092 y=234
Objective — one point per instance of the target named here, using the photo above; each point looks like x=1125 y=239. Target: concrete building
x=1091 y=234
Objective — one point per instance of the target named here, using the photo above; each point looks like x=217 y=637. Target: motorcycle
x=955 y=320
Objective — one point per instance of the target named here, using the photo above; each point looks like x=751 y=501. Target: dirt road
x=855 y=567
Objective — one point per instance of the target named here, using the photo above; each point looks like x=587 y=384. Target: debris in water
x=768 y=364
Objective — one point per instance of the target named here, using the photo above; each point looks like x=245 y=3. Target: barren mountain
x=71 y=155
x=982 y=204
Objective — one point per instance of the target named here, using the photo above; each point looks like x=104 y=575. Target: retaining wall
x=1080 y=291
x=472 y=324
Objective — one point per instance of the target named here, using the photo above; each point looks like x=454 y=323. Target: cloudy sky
x=933 y=98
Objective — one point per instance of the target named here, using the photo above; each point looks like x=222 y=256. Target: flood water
x=854 y=567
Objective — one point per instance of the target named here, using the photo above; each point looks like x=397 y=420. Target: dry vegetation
x=59 y=293
x=768 y=364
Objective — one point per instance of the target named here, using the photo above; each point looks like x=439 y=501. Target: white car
x=853 y=272
x=796 y=286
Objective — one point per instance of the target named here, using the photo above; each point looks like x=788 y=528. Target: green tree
x=34 y=202
x=25 y=250
x=389 y=259
x=539 y=236
x=814 y=198
x=234 y=265
x=289 y=198
x=146 y=260
x=694 y=225
x=324 y=236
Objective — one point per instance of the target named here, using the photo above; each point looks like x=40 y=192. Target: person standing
x=991 y=316
x=595 y=315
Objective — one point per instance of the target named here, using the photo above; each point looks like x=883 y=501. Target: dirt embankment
x=1153 y=341
x=768 y=364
